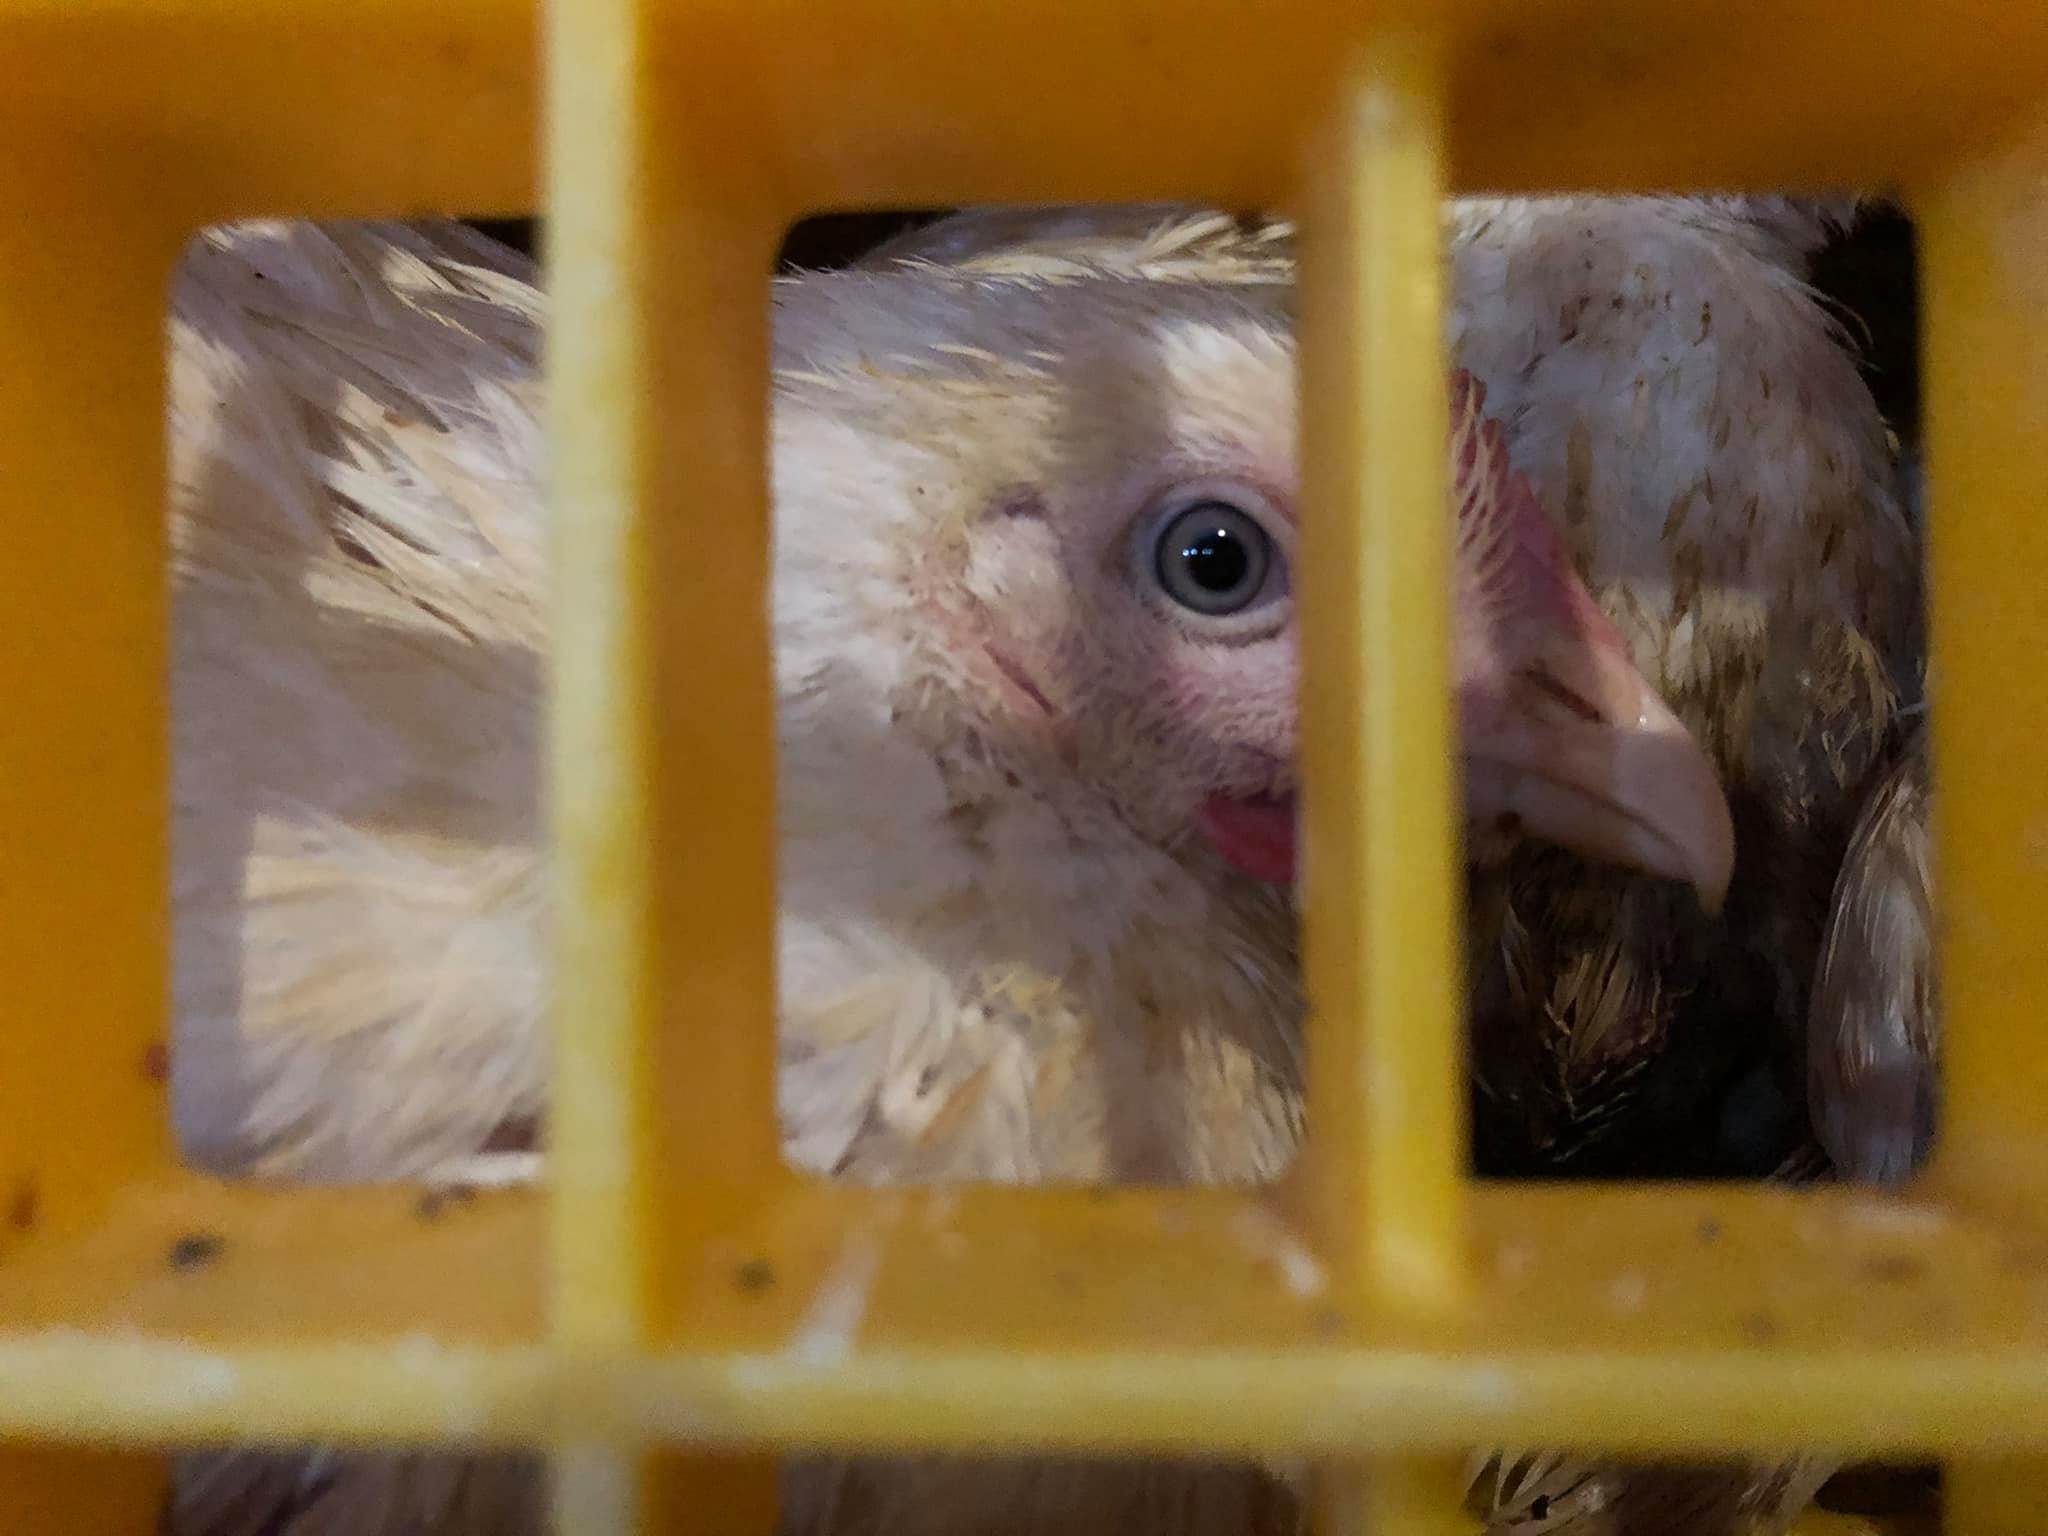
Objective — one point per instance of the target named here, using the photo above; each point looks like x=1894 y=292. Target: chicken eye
x=1213 y=559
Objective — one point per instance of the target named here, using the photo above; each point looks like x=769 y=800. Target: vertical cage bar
x=2002 y=1497
x=1387 y=1105
x=662 y=740
x=662 y=705
x=710 y=1495
x=712 y=238
x=84 y=808
x=1993 y=1498
x=613 y=1491
x=1391 y=1498
x=83 y=744
x=47 y=1489
x=1986 y=314
x=601 y=763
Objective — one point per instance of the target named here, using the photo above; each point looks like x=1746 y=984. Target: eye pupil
x=1213 y=559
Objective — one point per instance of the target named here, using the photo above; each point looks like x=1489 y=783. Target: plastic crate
x=618 y=1320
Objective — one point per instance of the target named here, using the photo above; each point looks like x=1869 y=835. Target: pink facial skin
x=1563 y=739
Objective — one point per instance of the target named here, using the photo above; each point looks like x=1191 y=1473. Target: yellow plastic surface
x=1379 y=1309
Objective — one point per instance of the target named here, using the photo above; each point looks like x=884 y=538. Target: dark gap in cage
x=1871 y=273
x=1905 y=1498
x=819 y=243
x=827 y=241
x=521 y=235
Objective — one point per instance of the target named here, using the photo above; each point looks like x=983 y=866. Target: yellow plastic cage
x=618 y=1320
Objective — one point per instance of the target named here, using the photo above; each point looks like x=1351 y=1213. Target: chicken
x=1036 y=714
x=1688 y=414
x=1794 y=657
x=1752 y=547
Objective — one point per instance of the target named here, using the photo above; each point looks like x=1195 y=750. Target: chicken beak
x=1574 y=747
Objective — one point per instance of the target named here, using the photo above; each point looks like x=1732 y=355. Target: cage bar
x=81 y=793
x=680 y=136
x=602 y=691
x=1984 y=258
x=1418 y=1497
x=1994 y=1497
x=1387 y=1099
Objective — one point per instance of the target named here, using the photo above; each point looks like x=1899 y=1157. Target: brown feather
x=1874 y=1037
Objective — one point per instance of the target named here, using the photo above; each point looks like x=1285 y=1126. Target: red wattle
x=1254 y=832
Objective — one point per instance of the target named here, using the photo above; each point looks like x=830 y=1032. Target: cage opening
x=1749 y=1125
